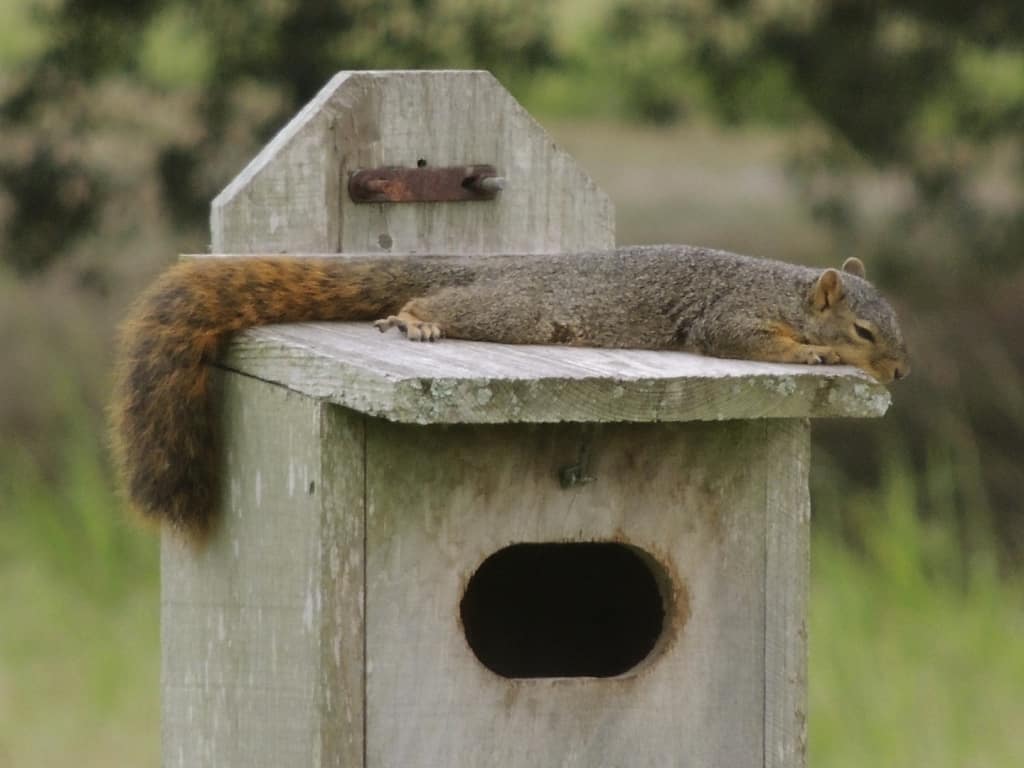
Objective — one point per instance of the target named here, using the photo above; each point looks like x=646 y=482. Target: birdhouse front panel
x=505 y=593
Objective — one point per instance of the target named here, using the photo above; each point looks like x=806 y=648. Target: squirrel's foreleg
x=790 y=351
x=777 y=342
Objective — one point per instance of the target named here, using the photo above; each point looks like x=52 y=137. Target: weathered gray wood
x=247 y=679
x=341 y=581
x=292 y=197
x=262 y=630
x=787 y=578
x=441 y=500
x=453 y=381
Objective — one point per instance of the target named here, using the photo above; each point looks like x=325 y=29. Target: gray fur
x=647 y=297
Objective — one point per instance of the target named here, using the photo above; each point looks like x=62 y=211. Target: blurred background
x=805 y=130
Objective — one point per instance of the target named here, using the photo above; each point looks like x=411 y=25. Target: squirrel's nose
x=900 y=371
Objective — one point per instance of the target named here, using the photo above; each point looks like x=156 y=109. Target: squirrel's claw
x=419 y=331
x=385 y=324
x=414 y=330
x=820 y=356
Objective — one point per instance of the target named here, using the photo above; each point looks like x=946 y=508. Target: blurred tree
x=921 y=87
x=254 y=54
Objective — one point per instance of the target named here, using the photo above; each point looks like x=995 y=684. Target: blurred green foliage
x=904 y=121
x=917 y=87
x=220 y=52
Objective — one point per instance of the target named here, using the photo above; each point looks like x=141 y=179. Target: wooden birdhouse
x=467 y=554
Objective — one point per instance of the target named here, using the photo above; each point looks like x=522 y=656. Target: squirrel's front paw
x=812 y=355
x=413 y=328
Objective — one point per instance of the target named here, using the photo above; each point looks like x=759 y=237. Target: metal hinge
x=425 y=185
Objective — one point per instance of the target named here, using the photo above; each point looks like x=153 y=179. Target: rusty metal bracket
x=425 y=185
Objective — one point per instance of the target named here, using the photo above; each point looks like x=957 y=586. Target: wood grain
x=440 y=500
x=452 y=381
x=291 y=197
x=787 y=580
x=262 y=629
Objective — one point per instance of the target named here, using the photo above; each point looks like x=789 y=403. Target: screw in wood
x=491 y=184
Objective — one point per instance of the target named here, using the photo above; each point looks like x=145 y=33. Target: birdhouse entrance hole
x=592 y=609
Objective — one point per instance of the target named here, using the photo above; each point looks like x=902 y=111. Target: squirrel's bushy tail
x=163 y=414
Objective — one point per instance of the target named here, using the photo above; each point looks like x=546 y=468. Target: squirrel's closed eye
x=864 y=333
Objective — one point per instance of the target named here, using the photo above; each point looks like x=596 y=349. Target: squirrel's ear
x=828 y=291
x=854 y=266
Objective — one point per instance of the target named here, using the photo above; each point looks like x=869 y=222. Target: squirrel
x=643 y=297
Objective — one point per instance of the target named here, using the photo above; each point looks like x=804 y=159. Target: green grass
x=79 y=617
x=916 y=653
x=916 y=645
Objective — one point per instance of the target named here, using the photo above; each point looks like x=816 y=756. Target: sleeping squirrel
x=642 y=297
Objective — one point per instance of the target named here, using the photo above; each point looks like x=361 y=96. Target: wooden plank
x=341 y=583
x=787 y=579
x=292 y=197
x=442 y=500
x=255 y=626
x=453 y=381
x=286 y=198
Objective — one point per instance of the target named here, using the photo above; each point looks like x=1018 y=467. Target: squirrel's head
x=852 y=317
